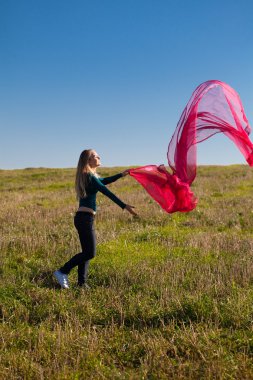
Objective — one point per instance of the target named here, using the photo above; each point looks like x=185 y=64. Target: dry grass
x=171 y=295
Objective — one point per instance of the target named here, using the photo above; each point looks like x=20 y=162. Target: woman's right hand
x=125 y=172
x=130 y=209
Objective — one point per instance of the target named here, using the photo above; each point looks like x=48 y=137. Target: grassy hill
x=171 y=295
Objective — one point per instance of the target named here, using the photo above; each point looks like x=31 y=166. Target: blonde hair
x=83 y=168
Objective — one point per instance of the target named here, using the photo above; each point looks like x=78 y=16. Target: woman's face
x=94 y=160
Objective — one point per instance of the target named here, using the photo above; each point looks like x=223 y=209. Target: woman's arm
x=103 y=189
x=113 y=178
x=98 y=184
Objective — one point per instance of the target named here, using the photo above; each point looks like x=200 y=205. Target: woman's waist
x=86 y=209
x=88 y=202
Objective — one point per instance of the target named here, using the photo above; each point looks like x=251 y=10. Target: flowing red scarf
x=214 y=107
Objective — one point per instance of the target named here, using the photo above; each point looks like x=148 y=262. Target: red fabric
x=166 y=189
x=214 y=107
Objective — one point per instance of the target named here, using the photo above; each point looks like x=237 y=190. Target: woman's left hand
x=130 y=209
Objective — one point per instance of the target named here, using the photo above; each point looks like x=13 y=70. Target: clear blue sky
x=115 y=75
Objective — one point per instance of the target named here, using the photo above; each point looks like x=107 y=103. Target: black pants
x=84 y=224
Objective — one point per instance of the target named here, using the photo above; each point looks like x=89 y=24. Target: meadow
x=171 y=294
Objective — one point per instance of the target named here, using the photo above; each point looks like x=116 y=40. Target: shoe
x=62 y=279
x=84 y=286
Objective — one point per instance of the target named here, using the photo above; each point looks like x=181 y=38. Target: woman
x=87 y=185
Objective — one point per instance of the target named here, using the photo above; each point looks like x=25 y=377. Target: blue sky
x=115 y=75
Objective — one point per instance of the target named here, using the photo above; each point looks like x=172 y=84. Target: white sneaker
x=62 y=279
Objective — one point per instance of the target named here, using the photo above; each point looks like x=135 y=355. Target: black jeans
x=84 y=224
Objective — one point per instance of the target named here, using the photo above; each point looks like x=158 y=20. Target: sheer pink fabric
x=214 y=107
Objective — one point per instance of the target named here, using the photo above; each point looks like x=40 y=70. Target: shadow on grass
x=185 y=316
x=45 y=279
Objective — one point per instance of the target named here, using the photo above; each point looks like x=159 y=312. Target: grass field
x=171 y=295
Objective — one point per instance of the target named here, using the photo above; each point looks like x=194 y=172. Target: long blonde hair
x=83 y=168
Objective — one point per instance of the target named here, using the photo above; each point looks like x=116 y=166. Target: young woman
x=87 y=185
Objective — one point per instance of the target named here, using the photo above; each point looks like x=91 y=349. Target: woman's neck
x=90 y=170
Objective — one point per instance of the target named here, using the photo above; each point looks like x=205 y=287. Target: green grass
x=171 y=295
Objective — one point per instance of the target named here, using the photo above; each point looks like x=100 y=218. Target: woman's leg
x=84 y=225
x=88 y=244
x=83 y=272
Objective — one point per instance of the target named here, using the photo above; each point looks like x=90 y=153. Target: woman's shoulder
x=93 y=175
x=93 y=178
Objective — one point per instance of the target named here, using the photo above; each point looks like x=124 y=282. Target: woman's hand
x=125 y=172
x=130 y=209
